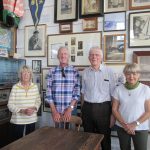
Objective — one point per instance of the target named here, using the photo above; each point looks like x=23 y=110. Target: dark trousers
x=96 y=119
x=17 y=130
x=139 y=139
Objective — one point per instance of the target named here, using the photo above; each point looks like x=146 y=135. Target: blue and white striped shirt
x=62 y=90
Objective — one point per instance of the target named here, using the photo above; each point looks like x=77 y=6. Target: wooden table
x=49 y=138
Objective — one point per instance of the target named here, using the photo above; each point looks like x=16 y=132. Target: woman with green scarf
x=131 y=108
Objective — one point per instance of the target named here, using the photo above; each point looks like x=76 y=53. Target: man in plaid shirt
x=63 y=87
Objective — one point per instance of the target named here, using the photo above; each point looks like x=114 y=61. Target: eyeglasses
x=63 y=73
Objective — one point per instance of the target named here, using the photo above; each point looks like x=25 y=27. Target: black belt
x=106 y=102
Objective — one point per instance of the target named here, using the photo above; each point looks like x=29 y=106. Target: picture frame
x=90 y=24
x=143 y=59
x=65 y=11
x=65 y=27
x=36 y=66
x=136 y=5
x=4 y=96
x=115 y=6
x=46 y=107
x=37 y=80
x=114 y=21
x=114 y=48
x=78 y=45
x=35 y=41
x=139 y=29
x=44 y=78
x=92 y=8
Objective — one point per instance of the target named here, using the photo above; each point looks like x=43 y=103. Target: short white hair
x=96 y=48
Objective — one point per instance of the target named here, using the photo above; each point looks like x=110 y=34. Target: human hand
x=56 y=116
x=67 y=115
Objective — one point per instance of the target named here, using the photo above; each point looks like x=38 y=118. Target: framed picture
x=46 y=107
x=4 y=96
x=65 y=10
x=90 y=8
x=78 y=45
x=143 y=59
x=114 y=48
x=114 y=21
x=140 y=4
x=90 y=24
x=37 y=80
x=35 y=41
x=114 y=6
x=44 y=77
x=139 y=29
x=65 y=27
x=36 y=66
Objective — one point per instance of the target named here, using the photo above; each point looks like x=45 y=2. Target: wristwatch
x=137 y=123
x=72 y=107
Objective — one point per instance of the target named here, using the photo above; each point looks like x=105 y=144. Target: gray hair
x=22 y=69
x=131 y=67
x=62 y=47
x=96 y=48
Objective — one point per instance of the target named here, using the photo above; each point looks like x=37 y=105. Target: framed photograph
x=90 y=8
x=139 y=29
x=143 y=59
x=115 y=5
x=35 y=41
x=65 y=10
x=36 y=66
x=114 y=21
x=4 y=96
x=44 y=78
x=139 y=4
x=65 y=27
x=90 y=24
x=46 y=107
x=114 y=48
x=37 y=80
x=78 y=45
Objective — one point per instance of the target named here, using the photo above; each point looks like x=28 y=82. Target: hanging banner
x=36 y=7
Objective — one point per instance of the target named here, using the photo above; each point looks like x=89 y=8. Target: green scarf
x=130 y=86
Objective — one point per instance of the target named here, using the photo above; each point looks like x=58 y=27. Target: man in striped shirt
x=63 y=88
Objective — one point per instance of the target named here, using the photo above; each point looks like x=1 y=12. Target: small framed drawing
x=44 y=77
x=36 y=66
x=65 y=27
x=46 y=107
x=90 y=8
x=35 y=41
x=65 y=10
x=114 y=48
x=143 y=59
x=139 y=29
x=114 y=6
x=114 y=21
x=139 y=4
x=90 y=24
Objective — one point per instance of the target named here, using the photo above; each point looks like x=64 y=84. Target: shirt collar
x=99 y=69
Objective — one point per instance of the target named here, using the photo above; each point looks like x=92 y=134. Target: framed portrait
x=114 y=21
x=4 y=96
x=90 y=24
x=78 y=45
x=139 y=29
x=44 y=77
x=35 y=41
x=90 y=8
x=114 y=48
x=143 y=59
x=36 y=66
x=115 y=5
x=65 y=27
x=65 y=10
x=37 y=80
x=140 y=4
x=46 y=107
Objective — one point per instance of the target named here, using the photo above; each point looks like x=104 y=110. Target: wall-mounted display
x=44 y=77
x=65 y=27
x=65 y=11
x=90 y=24
x=90 y=8
x=114 y=48
x=35 y=41
x=115 y=5
x=143 y=59
x=114 y=21
x=36 y=66
x=78 y=44
x=139 y=29
x=139 y=4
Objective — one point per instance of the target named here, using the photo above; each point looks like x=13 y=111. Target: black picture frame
x=65 y=11
x=46 y=107
x=94 y=10
x=36 y=66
